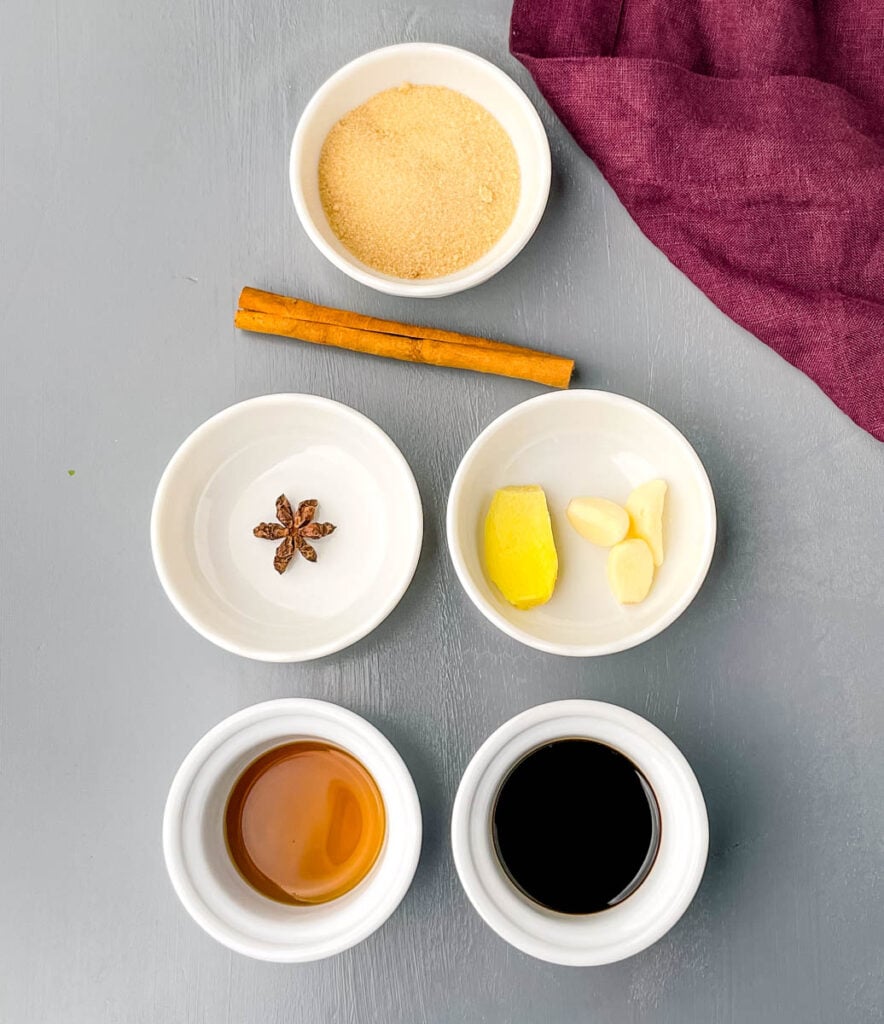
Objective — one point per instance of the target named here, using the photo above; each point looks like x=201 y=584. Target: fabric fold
x=747 y=142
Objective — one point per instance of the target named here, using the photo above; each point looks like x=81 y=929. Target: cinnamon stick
x=267 y=313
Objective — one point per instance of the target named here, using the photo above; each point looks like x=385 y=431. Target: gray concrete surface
x=143 y=151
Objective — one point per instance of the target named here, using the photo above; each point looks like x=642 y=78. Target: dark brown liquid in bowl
x=576 y=826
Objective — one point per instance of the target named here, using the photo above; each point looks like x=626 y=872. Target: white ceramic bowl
x=421 y=64
x=225 y=478
x=199 y=866
x=577 y=443
x=643 y=917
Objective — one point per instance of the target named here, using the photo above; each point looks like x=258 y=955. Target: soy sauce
x=576 y=826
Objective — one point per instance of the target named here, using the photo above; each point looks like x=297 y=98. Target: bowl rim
x=518 y=736
x=299 y=654
x=173 y=835
x=428 y=287
x=455 y=541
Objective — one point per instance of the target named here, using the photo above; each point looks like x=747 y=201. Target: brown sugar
x=419 y=181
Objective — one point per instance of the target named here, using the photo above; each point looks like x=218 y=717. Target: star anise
x=293 y=529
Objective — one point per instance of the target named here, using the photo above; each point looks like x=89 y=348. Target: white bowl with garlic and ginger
x=581 y=523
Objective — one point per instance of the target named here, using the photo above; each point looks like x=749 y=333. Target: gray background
x=143 y=153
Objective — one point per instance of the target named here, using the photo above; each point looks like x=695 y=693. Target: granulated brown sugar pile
x=420 y=181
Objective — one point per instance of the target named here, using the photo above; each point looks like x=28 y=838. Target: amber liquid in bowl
x=304 y=823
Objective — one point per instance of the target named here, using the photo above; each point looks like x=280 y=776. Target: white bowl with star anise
x=286 y=527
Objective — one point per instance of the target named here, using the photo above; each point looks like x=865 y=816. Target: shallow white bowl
x=225 y=479
x=421 y=64
x=643 y=917
x=199 y=866
x=576 y=443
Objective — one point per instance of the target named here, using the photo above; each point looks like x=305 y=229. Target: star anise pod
x=293 y=529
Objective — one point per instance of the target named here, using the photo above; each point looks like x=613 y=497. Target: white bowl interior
x=422 y=64
x=200 y=867
x=225 y=479
x=660 y=899
x=584 y=443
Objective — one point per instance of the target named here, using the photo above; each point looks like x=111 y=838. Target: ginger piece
x=520 y=552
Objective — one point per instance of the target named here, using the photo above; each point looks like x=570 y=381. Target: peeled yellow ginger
x=631 y=570
x=520 y=553
x=645 y=508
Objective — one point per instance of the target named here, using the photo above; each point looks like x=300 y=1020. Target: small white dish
x=644 y=916
x=576 y=443
x=224 y=480
x=202 y=873
x=421 y=64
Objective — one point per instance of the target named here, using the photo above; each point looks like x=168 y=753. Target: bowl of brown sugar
x=420 y=169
